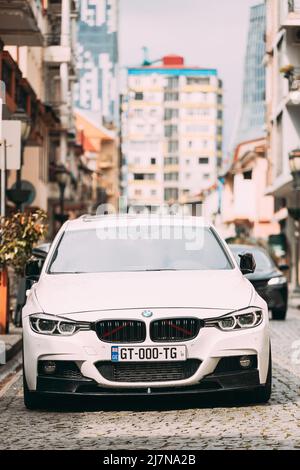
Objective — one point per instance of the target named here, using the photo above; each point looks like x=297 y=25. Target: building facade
x=37 y=65
x=283 y=106
x=97 y=60
x=252 y=117
x=171 y=132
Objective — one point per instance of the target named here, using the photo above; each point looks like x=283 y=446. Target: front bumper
x=227 y=382
x=86 y=350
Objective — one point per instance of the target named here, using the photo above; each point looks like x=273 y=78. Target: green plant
x=19 y=233
x=287 y=68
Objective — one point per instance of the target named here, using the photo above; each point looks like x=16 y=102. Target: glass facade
x=252 y=119
x=97 y=59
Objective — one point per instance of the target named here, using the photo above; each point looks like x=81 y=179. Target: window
x=170 y=193
x=172 y=82
x=197 y=80
x=187 y=162
x=173 y=146
x=203 y=160
x=138 y=192
x=153 y=161
x=206 y=176
x=139 y=96
x=171 y=160
x=247 y=175
x=187 y=176
x=144 y=176
x=153 y=192
x=171 y=113
x=137 y=160
x=138 y=113
x=171 y=96
x=171 y=130
x=172 y=176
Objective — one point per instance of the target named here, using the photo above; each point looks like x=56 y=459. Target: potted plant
x=18 y=233
x=287 y=70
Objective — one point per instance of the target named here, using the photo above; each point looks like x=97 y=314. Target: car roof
x=96 y=221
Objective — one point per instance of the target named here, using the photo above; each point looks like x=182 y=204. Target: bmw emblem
x=147 y=313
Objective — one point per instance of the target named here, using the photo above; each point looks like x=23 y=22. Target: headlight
x=276 y=281
x=240 y=319
x=51 y=325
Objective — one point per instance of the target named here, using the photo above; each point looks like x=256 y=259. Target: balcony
x=290 y=14
x=23 y=22
x=294 y=6
x=55 y=53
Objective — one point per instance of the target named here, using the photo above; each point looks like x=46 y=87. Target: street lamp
x=62 y=178
x=294 y=162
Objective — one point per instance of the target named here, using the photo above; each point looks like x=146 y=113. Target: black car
x=268 y=279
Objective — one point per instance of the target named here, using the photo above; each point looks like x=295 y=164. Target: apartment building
x=171 y=132
x=283 y=105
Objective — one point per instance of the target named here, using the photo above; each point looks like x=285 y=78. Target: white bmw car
x=139 y=305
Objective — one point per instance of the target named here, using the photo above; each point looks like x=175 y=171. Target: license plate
x=148 y=353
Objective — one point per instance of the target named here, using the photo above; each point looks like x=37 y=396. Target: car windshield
x=165 y=248
x=263 y=261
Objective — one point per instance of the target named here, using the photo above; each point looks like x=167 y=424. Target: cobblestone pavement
x=182 y=423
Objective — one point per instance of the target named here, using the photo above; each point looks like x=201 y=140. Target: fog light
x=49 y=367
x=245 y=362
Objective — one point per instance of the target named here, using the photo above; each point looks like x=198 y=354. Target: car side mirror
x=283 y=267
x=33 y=269
x=247 y=263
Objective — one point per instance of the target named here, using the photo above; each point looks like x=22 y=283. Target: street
x=181 y=424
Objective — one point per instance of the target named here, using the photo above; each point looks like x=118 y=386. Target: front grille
x=148 y=371
x=121 y=331
x=64 y=369
x=175 y=329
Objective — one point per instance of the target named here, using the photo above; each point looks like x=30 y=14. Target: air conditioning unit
x=296 y=36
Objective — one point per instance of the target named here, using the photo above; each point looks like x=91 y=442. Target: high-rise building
x=252 y=119
x=171 y=132
x=97 y=60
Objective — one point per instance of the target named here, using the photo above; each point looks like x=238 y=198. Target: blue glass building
x=252 y=119
x=97 y=59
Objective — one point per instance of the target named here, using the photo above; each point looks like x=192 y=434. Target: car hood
x=71 y=293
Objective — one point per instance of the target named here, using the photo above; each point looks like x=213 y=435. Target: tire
x=263 y=393
x=279 y=314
